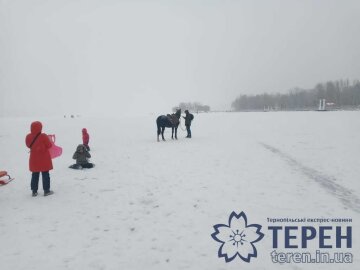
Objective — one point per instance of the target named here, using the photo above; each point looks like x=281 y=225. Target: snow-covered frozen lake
x=150 y=205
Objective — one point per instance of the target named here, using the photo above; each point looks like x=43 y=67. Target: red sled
x=5 y=178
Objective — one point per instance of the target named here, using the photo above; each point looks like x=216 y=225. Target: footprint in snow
x=147 y=201
x=81 y=179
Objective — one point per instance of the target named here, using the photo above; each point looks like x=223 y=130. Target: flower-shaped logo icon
x=237 y=238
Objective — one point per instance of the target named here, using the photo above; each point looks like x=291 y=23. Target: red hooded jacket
x=85 y=137
x=40 y=160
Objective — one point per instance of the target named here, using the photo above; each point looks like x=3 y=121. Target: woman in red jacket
x=86 y=138
x=40 y=160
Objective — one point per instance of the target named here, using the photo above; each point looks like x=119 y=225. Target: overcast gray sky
x=112 y=56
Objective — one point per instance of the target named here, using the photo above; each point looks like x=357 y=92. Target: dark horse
x=170 y=121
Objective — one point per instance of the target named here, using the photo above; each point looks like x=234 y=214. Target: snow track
x=327 y=182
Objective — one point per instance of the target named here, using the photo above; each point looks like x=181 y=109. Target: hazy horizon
x=117 y=57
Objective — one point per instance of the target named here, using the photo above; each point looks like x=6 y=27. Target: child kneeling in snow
x=81 y=155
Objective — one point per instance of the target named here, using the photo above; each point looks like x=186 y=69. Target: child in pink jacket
x=86 y=138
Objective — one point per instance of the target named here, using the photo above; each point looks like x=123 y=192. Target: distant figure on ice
x=40 y=160
x=81 y=155
x=85 y=138
x=188 y=118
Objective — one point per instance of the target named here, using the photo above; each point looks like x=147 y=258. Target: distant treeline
x=192 y=106
x=338 y=95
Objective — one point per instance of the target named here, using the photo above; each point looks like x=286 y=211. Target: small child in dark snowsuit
x=82 y=155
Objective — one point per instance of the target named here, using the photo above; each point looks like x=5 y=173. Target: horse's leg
x=158 y=133
x=176 y=132
x=162 y=133
x=172 y=132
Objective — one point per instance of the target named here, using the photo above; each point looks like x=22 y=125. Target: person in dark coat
x=85 y=138
x=82 y=156
x=188 y=118
x=40 y=160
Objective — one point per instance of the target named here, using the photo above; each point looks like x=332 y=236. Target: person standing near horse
x=40 y=159
x=188 y=118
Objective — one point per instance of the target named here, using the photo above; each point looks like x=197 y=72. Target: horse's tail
x=158 y=125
